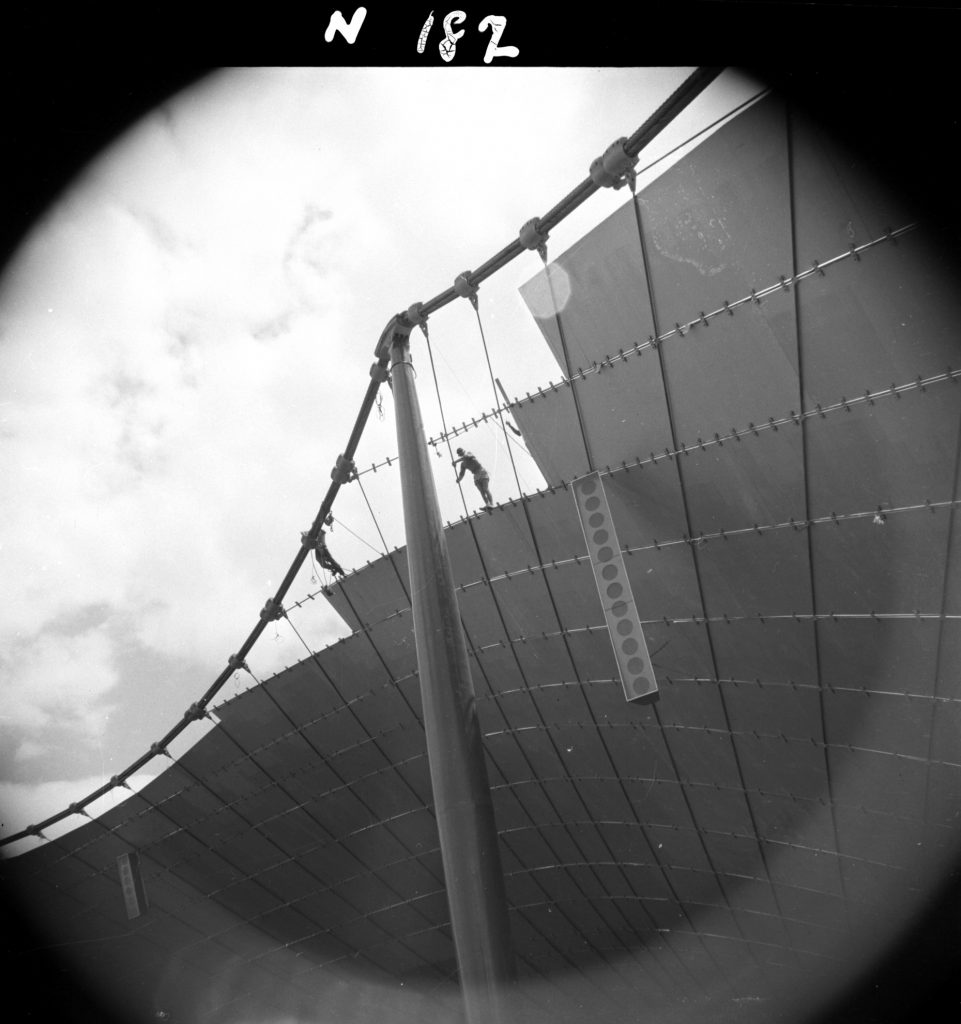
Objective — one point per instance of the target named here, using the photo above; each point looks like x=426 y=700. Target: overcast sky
x=185 y=340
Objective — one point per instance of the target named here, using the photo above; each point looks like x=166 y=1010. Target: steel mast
x=462 y=801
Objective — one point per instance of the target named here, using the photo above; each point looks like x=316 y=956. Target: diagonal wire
x=440 y=405
x=500 y=415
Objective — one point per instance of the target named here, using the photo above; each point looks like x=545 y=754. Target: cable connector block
x=398 y=329
x=195 y=712
x=343 y=470
x=464 y=287
x=615 y=167
x=416 y=315
x=531 y=236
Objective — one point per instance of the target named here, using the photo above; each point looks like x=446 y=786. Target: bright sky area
x=185 y=340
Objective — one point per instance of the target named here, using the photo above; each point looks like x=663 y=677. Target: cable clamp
x=195 y=712
x=531 y=237
x=272 y=610
x=615 y=167
x=379 y=372
x=417 y=316
x=466 y=288
x=235 y=662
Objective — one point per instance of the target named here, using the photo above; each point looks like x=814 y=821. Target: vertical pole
x=462 y=800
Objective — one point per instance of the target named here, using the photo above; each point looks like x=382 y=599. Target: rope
x=386 y=550
x=490 y=372
x=443 y=418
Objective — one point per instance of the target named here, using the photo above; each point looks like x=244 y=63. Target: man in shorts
x=481 y=476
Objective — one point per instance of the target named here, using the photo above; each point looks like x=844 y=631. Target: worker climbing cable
x=324 y=557
x=481 y=477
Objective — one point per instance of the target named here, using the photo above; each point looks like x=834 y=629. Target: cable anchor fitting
x=532 y=237
x=195 y=712
x=416 y=315
x=466 y=288
x=614 y=168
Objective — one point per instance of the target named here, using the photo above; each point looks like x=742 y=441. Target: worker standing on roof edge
x=481 y=476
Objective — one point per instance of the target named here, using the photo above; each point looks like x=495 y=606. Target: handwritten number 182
x=448 y=45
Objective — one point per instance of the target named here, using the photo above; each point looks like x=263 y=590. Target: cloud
x=53 y=679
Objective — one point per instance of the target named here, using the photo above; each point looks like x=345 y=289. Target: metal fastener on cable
x=466 y=288
x=532 y=237
x=195 y=712
x=615 y=167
